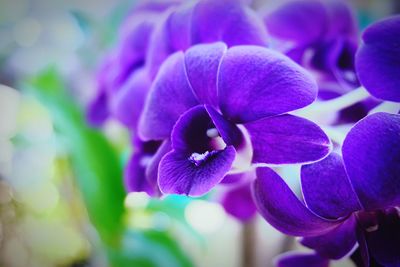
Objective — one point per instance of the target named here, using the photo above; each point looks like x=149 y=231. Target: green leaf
x=96 y=165
x=149 y=249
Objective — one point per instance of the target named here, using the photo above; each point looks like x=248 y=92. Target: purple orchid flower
x=170 y=35
x=377 y=60
x=321 y=35
x=153 y=31
x=201 y=100
x=347 y=200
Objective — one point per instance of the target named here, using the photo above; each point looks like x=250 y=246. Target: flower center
x=199 y=159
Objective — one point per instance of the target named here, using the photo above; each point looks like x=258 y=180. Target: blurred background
x=62 y=202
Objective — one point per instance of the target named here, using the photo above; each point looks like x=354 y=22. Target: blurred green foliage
x=98 y=173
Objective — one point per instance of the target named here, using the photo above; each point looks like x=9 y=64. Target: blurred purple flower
x=200 y=97
x=321 y=35
x=125 y=59
x=237 y=199
x=377 y=60
x=346 y=201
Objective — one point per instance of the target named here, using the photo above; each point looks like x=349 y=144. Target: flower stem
x=320 y=108
x=248 y=243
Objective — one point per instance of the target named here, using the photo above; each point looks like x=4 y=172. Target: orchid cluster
x=217 y=94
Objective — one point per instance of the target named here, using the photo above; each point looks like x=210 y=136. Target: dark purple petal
x=287 y=139
x=229 y=132
x=377 y=61
x=371 y=154
x=343 y=21
x=152 y=167
x=335 y=244
x=299 y=259
x=239 y=203
x=362 y=249
x=127 y=105
x=282 y=209
x=134 y=175
x=326 y=188
x=202 y=62
x=169 y=97
x=180 y=174
x=302 y=22
x=256 y=82
x=229 y=21
x=190 y=131
x=384 y=243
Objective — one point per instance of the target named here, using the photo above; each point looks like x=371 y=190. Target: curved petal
x=229 y=21
x=384 y=243
x=287 y=139
x=335 y=244
x=326 y=188
x=302 y=22
x=256 y=82
x=239 y=203
x=371 y=155
x=202 y=63
x=282 y=209
x=178 y=174
x=169 y=97
x=377 y=61
x=299 y=259
x=127 y=105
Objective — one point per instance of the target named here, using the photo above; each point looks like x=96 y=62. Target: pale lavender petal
x=256 y=82
x=377 y=61
x=202 y=62
x=287 y=139
x=127 y=104
x=337 y=243
x=282 y=209
x=299 y=259
x=179 y=174
x=169 y=97
x=371 y=154
x=326 y=188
